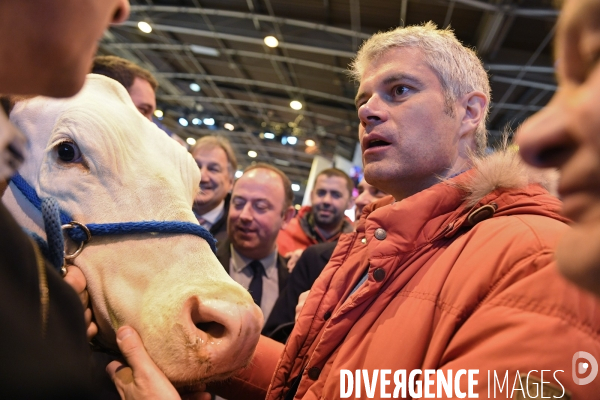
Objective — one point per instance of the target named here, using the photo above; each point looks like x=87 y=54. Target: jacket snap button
x=379 y=274
x=380 y=233
x=314 y=373
x=327 y=315
x=363 y=240
x=481 y=214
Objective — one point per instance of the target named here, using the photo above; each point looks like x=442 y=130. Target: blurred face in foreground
x=48 y=46
x=566 y=135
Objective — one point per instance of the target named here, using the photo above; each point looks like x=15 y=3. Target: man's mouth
x=376 y=143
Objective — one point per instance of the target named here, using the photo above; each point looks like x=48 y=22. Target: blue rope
x=122 y=228
x=52 y=226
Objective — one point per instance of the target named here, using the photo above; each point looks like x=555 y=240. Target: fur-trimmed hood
x=504 y=169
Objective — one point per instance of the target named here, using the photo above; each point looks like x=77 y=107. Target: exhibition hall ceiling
x=213 y=65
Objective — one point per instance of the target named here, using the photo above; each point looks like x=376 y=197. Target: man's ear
x=287 y=216
x=474 y=105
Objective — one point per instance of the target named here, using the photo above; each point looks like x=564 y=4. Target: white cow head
x=105 y=163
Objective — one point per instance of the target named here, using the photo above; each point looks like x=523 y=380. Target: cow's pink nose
x=224 y=330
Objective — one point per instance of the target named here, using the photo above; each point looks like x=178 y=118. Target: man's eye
x=400 y=90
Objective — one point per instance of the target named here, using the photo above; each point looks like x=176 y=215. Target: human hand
x=293 y=259
x=301 y=300
x=140 y=378
x=75 y=278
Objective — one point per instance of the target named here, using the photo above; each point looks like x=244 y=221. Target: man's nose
x=246 y=213
x=121 y=12
x=373 y=111
x=544 y=140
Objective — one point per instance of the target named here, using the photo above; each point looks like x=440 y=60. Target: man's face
x=52 y=43
x=256 y=213
x=366 y=195
x=215 y=179
x=566 y=135
x=408 y=136
x=143 y=97
x=329 y=198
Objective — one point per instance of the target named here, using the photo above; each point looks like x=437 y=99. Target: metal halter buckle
x=88 y=235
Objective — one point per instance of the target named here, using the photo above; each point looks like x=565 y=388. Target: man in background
x=324 y=220
x=217 y=163
x=307 y=270
x=261 y=205
x=139 y=82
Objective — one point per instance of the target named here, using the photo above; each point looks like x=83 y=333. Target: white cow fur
x=132 y=171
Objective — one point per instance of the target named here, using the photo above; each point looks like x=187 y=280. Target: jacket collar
x=497 y=185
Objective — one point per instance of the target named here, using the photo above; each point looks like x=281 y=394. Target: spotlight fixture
x=228 y=126
x=271 y=41
x=191 y=141
x=292 y=140
x=195 y=87
x=238 y=173
x=295 y=105
x=197 y=121
x=158 y=113
x=269 y=135
x=295 y=187
x=309 y=143
x=252 y=154
x=144 y=27
x=183 y=122
x=209 y=121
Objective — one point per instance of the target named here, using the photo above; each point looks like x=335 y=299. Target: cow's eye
x=68 y=152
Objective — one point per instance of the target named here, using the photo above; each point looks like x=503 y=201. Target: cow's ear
x=8 y=102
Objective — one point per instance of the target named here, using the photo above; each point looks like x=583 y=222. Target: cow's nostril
x=213 y=329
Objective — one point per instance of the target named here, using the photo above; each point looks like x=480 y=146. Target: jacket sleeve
x=530 y=324
x=252 y=382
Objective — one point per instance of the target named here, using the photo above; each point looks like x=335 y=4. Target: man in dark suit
x=261 y=205
x=217 y=162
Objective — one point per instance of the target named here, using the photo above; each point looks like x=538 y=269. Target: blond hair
x=458 y=68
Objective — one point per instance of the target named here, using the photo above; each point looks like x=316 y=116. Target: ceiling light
x=196 y=121
x=228 y=126
x=309 y=142
x=195 y=87
x=238 y=173
x=284 y=140
x=292 y=140
x=191 y=141
x=209 y=121
x=206 y=51
x=252 y=154
x=296 y=105
x=183 y=121
x=271 y=41
x=144 y=27
x=269 y=135
x=295 y=187
x=158 y=113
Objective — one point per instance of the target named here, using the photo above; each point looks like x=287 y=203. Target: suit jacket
x=224 y=255
x=219 y=228
x=307 y=269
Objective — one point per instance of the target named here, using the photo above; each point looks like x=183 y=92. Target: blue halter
x=79 y=235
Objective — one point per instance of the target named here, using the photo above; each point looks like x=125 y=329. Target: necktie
x=256 y=284
x=205 y=224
